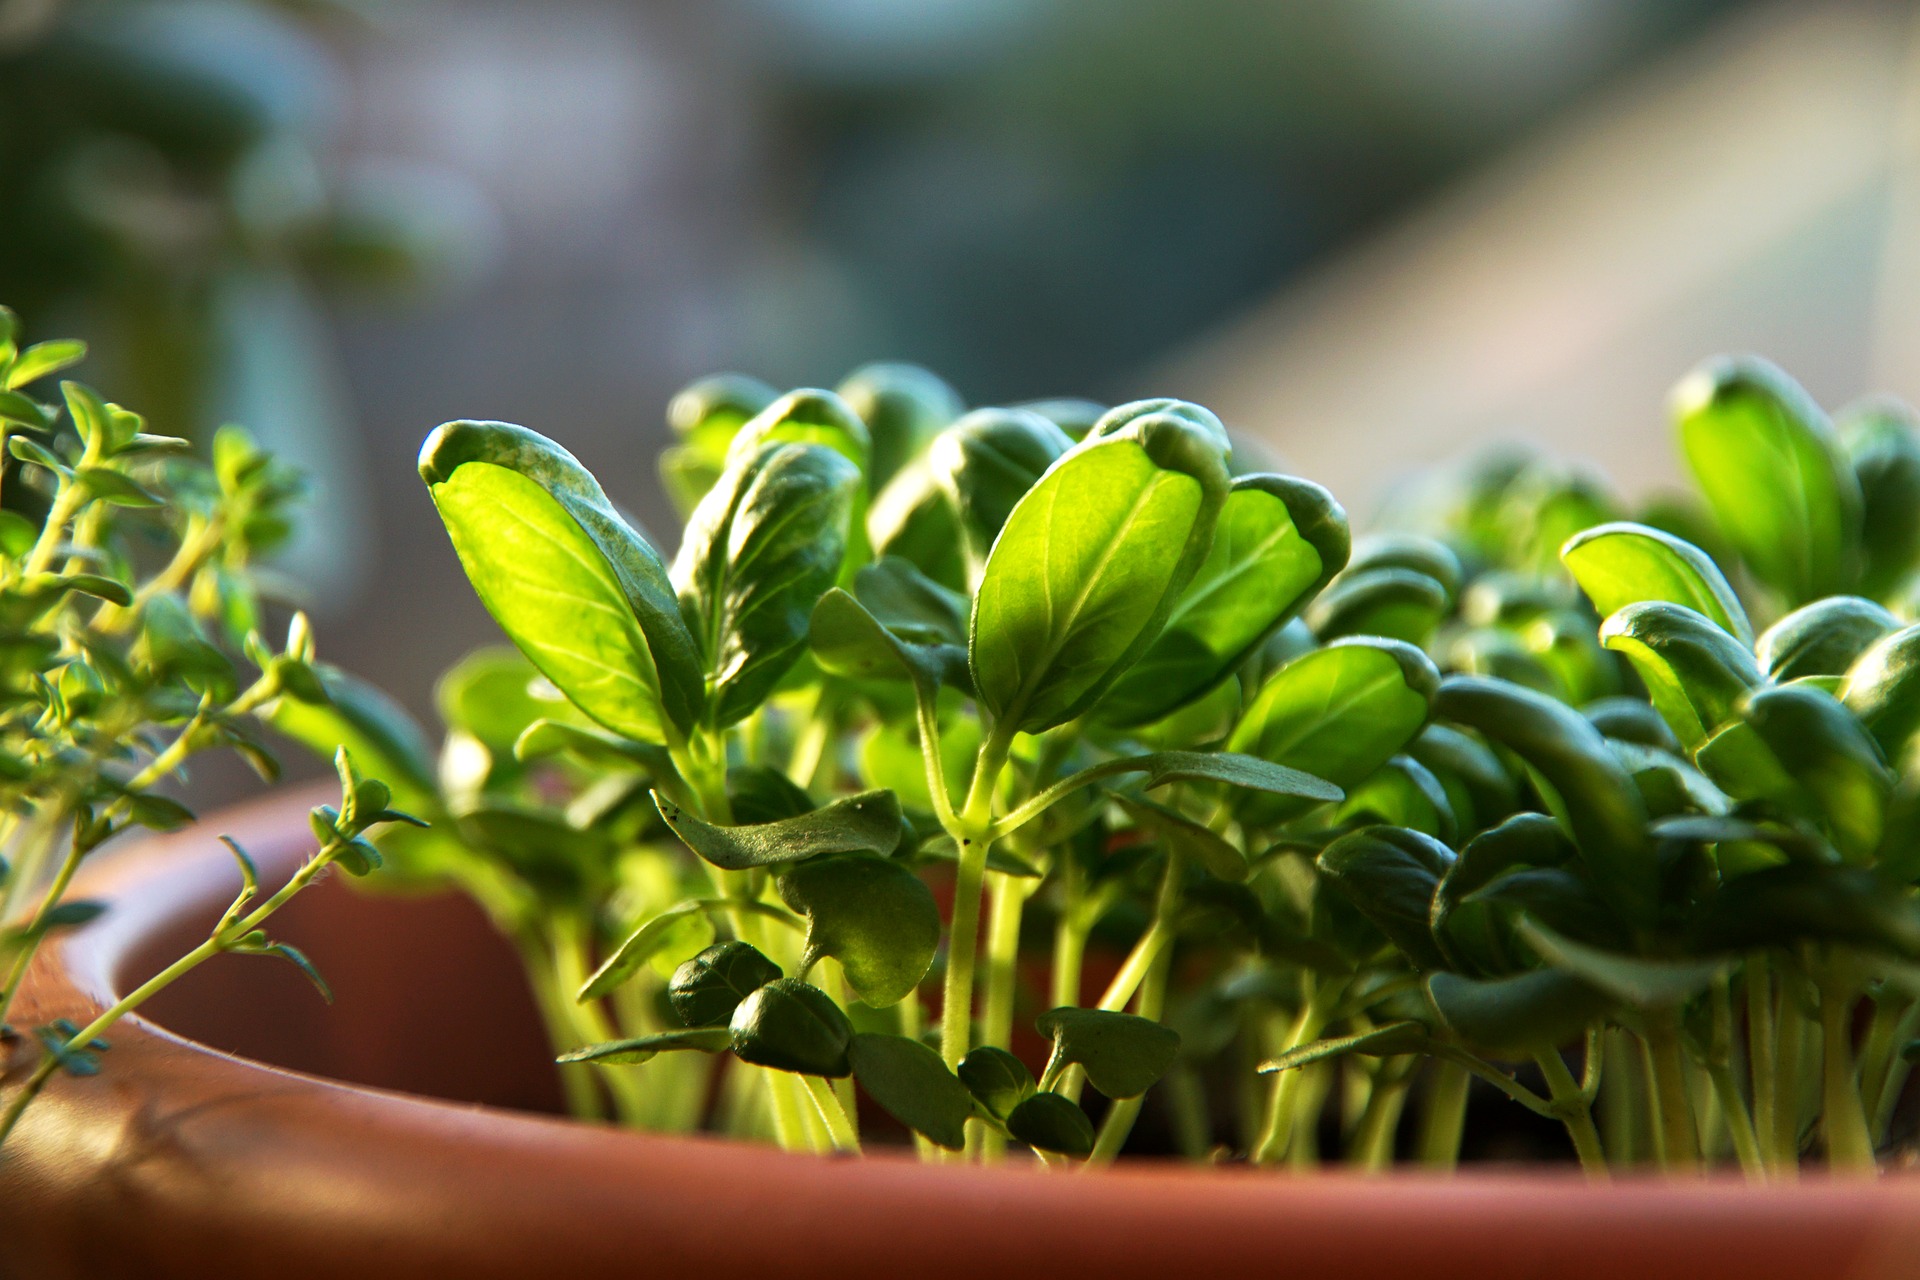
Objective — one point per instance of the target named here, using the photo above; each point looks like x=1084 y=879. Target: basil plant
x=979 y=774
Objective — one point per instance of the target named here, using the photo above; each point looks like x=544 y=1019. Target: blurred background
x=1371 y=231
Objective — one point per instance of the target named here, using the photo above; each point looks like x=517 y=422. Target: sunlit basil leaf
x=986 y=462
x=1277 y=543
x=1635 y=980
x=1517 y=1015
x=1050 y=1122
x=1391 y=1040
x=1622 y=563
x=1339 y=712
x=867 y=822
x=1810 y=902
x=706 y=416
x=1123 y=419
x=997 y=1080
x=1767 y=461
x=1883 y=690
x=1882 y=440
x=1694 y=671
x=871 y=914
x=1389 y=875
x=645 y=1048
x=847 y=640
x=1569 y=759
x=807 y=416
x=1401 y=793
x=912 y=519
x=1088 y=567
x=641 y=946
x=1238 y=770
x=1824 y=753
x=759 y=551
x=583 y=595
x=913 y=1086
x=789 y=1025
x=1822 y=638
x=1122 y=1054
x=904 y=407
x=1401 y=604
x=705 y=990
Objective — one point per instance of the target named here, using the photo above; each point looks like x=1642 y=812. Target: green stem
x=839 y=1126
x=556 y=1011
x=1321 y=1000
x=1763 y=1059
x=1443 y=1116
x=1679 y=1145
x=571 y=965
x=1009 y=899
x=1118 y=1124
x=1575 y=1112
x=970 y=833
x=1371 y=1148
x=1790 y=1028
x=1894 y=1072
x=1849 y=1144
x=1746 y=1146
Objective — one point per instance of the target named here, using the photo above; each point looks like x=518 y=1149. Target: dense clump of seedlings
x=941 y=725
x=130 y=614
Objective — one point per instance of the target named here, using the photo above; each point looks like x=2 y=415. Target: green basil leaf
x=44 y=358
x=758 y=793
x=1639 y=981
x=1122 y=1054
x=760 y=550
x=913 y=1086
x=641 y=946
x=849 y=641
x=646 y=1048
x=789 y=1025
x=1479 y=788
x=1621 y=564
x=1588 y=786
x=1277 y=543
x=1631 y=720
x=1518 y=1015
x=1823 y=638
x=986 y=462
x=1882 y=440
x=1049 y=1122
x=1883 y=689
x=705 y=990
x=807 y=416
x=1088 y=567
x=582 y=595
x=1401 y=793
x=1389 y=874
x=1249 y=772
x=1810 y=902
x=871 y=914
x=706 y=416
x=998 y=1081
x=1400 y=604
x=904 y=407
x=1694 y=671
x=1829 y=757
x=1469 y=933
x=867 y=822
x=910 y=604
x=1339 y=712
x=913 y=520
x=1387 y=1041
x=1199 y=844
x=1124 y=419
x=1768 y=463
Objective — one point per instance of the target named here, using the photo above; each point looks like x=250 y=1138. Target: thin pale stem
x=1443 y=1116
x=1571 y=1105
x=1679 y=1144
x=1849 y=1144
x=839 y=1126
x=970 y=833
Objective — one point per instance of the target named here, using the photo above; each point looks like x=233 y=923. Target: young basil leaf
x=1401 y=793
x=1631 y=720
x=986 y=462
x=1810 y=902
x=705 y=990
x=998 y=1081
x=1882 y=440
x=1389 y=874
x=1644 y=983
x=1767 y=462
x=645 y=1048
x=1825 y=754
x=849 y=641
x=758 y=793
x=583 y=595
x=706 y=416
x=1822 y=638
x=760 y=550
x=1621 y=564
x=1088 y=566
x=641 y=946
x=1277 y=543
x=1122 y=419
x=1479 y=788
x=1123 y=1054
x=1468 y=931
x=913 y=1086
x=789 y=1025
x=910 y=604
x=867 y=822
x=1401 y=604
x=871 y=914
x=1694 y=671
x=1340 y=712
x=1515 y=1016
x=1198 y=843
x=904 y=407
x=1569 y=758
x=808 y=416
x=1883 y=689
x=1049 y=1122
x=912 y=519
x=1391 y=1040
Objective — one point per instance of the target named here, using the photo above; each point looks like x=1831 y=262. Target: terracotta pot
x=181 y=1160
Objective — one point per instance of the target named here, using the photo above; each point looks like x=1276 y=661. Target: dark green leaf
x=1380 y=1042
x=1400 y=604
x=1123 y=1054
x=791 y=1026
x=849 y=641
x=1883 y=690
x=1883 y=444
x=869 y=821
x=1402 y=793
x=706 y=990
x=912 y=520
x=1389 y=875
x=1050 y=1122
x=1823 y=638
x=373 y=727
x=1810 y=902
x=1518 y=1015
x=1694 y=671
x=904 y=407
x=1645 y=983
x=645 y=1048
x=871 y=914
x=1195 y=842
x=913 y=1086
x=1621 y=564
x=997 y=1080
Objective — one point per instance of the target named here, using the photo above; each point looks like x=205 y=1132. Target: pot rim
x=223 y=1160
